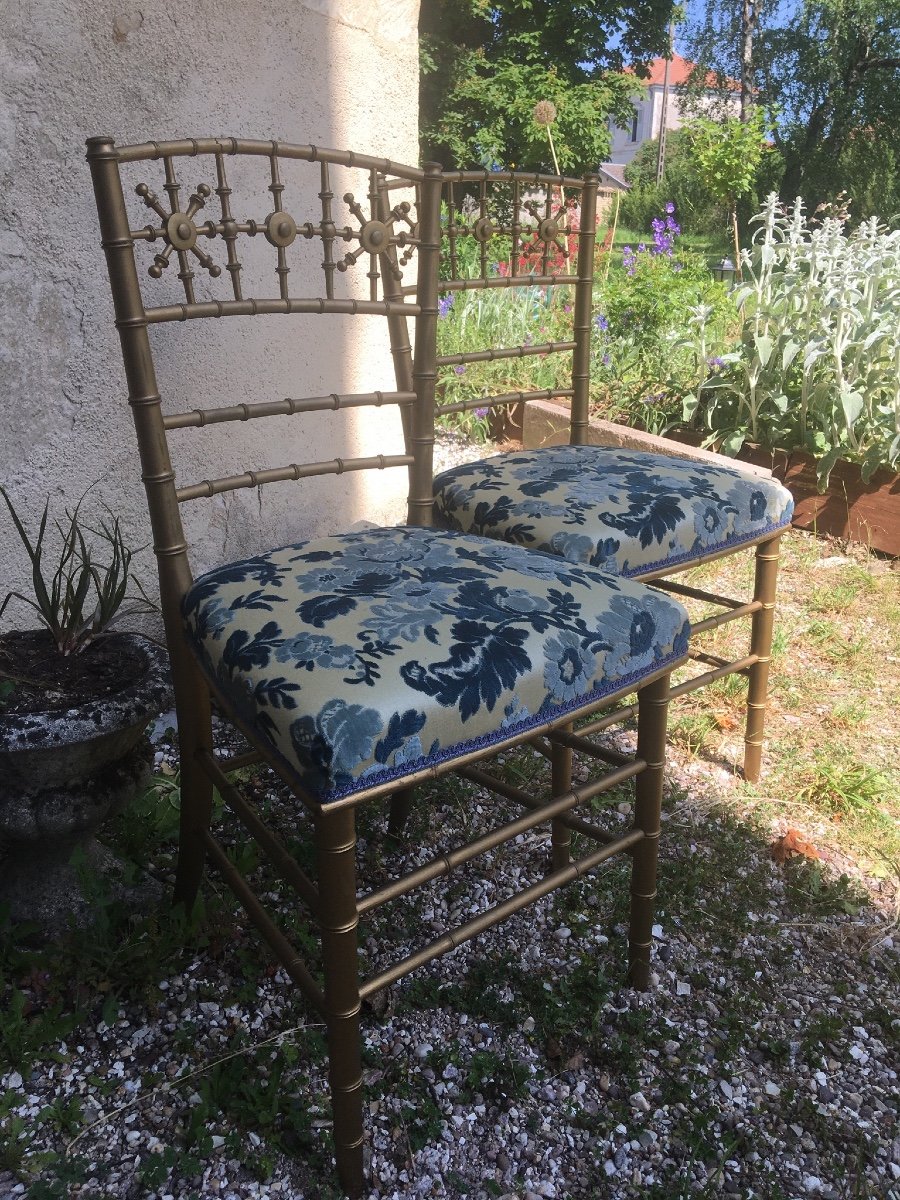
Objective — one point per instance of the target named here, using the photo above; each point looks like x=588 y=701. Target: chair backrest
x=296 y=265
x=533 y=235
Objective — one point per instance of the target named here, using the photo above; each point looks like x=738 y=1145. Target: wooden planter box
x=863 y=512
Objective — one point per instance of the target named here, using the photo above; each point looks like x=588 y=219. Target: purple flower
x=605 y=360
x=481 y=413
x=670 y=207
x=715 y=364
x=601 y=322
x=460 y=370
x=445 y=304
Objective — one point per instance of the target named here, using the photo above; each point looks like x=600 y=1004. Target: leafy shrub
x=818 y=363
x=682 y=184
x=659 y=319
x=657 y=322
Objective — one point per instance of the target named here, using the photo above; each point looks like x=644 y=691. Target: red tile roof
x=679 y=71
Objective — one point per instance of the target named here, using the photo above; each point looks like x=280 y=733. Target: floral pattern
x=621 y=511
x=365 y=657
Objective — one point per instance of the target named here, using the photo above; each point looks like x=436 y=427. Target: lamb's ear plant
x=818 y=364
x=76 y=597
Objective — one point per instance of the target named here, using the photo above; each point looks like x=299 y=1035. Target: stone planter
x=61 y=774
x=849 y=508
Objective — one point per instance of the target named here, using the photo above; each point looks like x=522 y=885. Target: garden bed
x=849 y=508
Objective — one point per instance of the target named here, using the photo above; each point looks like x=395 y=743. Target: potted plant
x=76 y=698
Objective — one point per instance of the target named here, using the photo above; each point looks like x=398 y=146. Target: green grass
x=705 y=244
x=832 y=739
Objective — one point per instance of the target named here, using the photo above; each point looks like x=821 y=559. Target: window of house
x=634 y=128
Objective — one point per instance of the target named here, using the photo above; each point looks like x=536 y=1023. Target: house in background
x=648 y=109
x=612 y=175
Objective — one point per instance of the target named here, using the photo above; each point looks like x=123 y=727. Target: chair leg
x=561 y=781
x=401 y=807
x=194 y=714
x=651 y=747
x=765 y=584
x=338 y=920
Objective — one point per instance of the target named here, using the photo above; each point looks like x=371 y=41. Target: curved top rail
x=536 y=178
x=192 y=147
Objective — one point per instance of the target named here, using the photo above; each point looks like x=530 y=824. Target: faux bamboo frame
x=332 y=895
x=760 y=609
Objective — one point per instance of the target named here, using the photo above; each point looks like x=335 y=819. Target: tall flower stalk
x=545 y=114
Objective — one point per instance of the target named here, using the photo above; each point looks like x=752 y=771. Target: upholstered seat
x=621 y=511
x=365 y=657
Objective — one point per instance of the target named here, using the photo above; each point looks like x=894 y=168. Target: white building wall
x=649 y=114
x=648 y=108
x=338 y=73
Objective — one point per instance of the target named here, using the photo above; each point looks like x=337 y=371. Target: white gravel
x=762 y=1063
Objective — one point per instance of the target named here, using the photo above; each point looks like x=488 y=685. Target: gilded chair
x=638 y=515
x=356 y=664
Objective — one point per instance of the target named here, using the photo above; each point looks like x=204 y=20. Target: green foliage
x=682 y=184
x=728 y=153
x=81 y=597
x=489 y=117
x=479 y=319
x=659 y=322
x=484 y=67
x=818 y=364
x=828 y=68
x=656 y=325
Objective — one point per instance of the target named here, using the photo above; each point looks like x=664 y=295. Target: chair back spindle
x=352 y=233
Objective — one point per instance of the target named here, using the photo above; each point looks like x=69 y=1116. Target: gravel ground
x=763 y=1062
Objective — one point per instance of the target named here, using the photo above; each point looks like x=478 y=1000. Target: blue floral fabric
x=365 y=657
x=621 y=511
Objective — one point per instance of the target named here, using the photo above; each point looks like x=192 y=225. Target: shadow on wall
x=289 y=69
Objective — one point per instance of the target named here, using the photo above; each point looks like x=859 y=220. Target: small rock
x=772 y=1089
x=726 y=1089
x=640 y=1102
x=682 y=989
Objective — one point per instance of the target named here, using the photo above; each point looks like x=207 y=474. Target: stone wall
x=337 y=73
